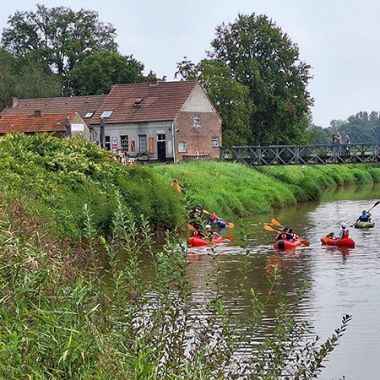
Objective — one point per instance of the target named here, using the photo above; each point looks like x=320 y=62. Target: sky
x=338 y=38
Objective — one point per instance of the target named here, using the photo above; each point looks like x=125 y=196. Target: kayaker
x=283 y=235
x=211 y=234
x=290 y=235
x=344 y=233
x=195 y=217
x=365 y=216
x=220 y=223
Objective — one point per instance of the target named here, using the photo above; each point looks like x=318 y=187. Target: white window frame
x=197 y=122
x=107 y=142
x=124 y=147
x=215 y=141
x=182 y=147
x=143 y=140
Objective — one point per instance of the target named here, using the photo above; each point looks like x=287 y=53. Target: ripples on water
x=339 y=281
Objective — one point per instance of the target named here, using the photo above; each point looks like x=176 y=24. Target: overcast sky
x=340 y=39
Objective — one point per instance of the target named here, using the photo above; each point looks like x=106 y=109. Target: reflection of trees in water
x=233 y=276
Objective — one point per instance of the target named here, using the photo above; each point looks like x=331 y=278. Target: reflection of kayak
x=196 y=241
x=287 y=244
x=360 y=224
x=345 y=242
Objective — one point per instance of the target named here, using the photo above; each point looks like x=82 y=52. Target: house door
x=161 y=147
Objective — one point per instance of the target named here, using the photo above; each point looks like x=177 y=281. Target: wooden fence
x=301 y=154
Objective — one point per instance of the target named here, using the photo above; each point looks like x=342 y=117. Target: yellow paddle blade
x=269 y=228
x=190 y=227
x=276 y=223
x=230 y=225
x=306 y=243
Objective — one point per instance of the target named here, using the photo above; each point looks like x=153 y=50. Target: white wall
x=133 y=130
x=197 y=102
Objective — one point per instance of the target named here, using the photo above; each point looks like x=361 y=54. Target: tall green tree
x=98 y=72
x=230 y=97
x=263 y=58
x=25 y=79
x=34 y=82
x=7 y=64
x=57 y=36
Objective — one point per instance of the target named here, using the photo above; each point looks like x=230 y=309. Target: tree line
x=253 y=72
x=361 y=128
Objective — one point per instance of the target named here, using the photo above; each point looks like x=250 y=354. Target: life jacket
x=345 y=234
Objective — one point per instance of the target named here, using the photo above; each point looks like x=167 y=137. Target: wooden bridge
x=302 y=154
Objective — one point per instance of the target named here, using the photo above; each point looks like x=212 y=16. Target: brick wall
x=198 y=140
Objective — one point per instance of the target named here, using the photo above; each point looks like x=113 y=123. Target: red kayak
x=287 y=244
x=345 y=242
x=196 y=241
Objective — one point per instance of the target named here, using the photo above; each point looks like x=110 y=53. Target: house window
x=88 y=115
x=161 y=137
x=197 y=121
x=107 y=142
x=215 y=142
x=142 y=144
x=106 y=114
x=124 y=143
x=182 y=147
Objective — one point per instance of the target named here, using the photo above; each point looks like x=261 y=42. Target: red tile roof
x=143 y=102
x=33 y=124
x=80 y=104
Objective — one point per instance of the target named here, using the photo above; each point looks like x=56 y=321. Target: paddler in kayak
x=287 y=234
x=365 y=216
x=343 y=233
x=210 y=234
x=215 y=220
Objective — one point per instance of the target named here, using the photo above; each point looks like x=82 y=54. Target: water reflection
x=339 y=280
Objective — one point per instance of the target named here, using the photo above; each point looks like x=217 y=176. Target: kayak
x=360 y=224
x=287 y=244
x=196 y=241
x=345 y=242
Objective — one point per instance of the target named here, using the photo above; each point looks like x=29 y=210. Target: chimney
x=37 y=113
x=12 y=102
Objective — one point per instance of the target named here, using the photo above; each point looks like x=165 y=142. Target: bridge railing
x=302 y=154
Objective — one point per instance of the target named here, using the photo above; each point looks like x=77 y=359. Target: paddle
x=278 y=224
x=367 y=211
x=270 y=229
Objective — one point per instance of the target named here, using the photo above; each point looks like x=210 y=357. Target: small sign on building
x=114 y=144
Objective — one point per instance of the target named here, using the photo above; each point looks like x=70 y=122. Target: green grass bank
x=47 y=181
x=235 y=189
x=55 y=184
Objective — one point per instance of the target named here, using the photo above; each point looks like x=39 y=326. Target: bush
x=55 y=177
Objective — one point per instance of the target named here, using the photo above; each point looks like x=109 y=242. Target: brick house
x=59 y=124
x=167 y=121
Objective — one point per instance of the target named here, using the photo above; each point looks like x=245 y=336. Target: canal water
x=337 y=281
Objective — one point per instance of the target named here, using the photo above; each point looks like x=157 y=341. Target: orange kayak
x=345 y=242
x=196 y=241
x=287 y=244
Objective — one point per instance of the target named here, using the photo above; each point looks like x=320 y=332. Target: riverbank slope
x=232 y=189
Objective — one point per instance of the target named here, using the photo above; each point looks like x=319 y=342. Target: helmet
x=364 y=211
x=285 y=229
x=344 y=226
x=208 y=226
